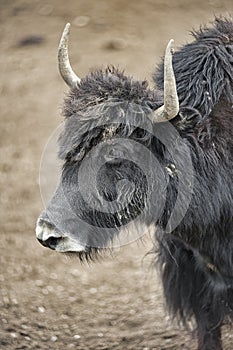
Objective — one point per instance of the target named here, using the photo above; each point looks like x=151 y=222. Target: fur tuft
x=203 y=70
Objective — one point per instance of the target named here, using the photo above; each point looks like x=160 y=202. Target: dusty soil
x=47 y=300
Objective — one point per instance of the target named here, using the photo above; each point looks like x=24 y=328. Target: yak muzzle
x=50 y=237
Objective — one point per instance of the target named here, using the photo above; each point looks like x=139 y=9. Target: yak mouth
x=90 y=255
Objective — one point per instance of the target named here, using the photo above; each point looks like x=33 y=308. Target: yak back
x=204 y=68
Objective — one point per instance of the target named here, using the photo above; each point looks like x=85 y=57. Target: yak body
x=196 y=256
x=202 y=245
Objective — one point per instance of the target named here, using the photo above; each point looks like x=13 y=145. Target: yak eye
x=79 y=156
x=75 y=156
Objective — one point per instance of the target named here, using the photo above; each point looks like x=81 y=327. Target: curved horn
x=171 y=103
x=65 y=69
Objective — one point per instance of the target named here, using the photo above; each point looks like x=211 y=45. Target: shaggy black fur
x=196 y=258
x=203 y=69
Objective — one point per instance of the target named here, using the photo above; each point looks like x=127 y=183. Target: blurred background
x=47 y=300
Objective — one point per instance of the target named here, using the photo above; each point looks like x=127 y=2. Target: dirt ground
x=48 y=301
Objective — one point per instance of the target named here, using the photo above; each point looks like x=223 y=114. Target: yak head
x=116 y=148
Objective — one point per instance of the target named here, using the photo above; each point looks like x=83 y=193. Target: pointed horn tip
x=64 y=38
x=66 y=30
x=67 y=26
x=170 y=46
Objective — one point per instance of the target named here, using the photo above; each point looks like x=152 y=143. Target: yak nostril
x=51 y=242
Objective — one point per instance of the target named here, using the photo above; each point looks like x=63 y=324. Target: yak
x=137 y=157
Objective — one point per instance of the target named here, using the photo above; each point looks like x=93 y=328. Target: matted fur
x=196 y=258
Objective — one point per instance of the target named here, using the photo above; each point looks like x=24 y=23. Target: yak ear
x=171 y=103
x=65 y=69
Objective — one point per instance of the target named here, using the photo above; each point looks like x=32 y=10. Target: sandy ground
x=48 y=301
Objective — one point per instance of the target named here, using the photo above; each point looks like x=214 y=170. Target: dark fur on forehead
x=105 y=97
x=87 y=128
x=110 y=84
